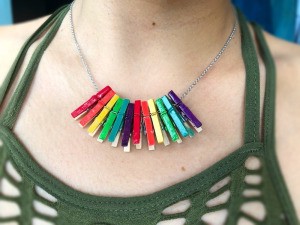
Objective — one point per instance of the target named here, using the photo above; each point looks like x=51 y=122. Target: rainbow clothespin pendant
x=193 y=120
x=85 y=107
x=165 y=117
x=148 y=126
x=98 y=121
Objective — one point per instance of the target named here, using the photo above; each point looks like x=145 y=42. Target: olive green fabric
x=72 y=207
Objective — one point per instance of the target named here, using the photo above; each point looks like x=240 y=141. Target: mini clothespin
x=167 y=120
x=85 y=107
x=110 y=120
x=119 y=121
x=127 y=127
x=177 y=120
x=98 y=121
x=136 y=134
x=155 y=121
x=148 y=125
x=186 y=111
x=96 y=109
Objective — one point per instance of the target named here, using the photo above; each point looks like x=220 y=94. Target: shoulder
x=287 y=111
x=11 y=40
x=287 y=108
x=287 y=57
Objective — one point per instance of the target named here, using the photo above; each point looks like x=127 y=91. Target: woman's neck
x=141 y=36
x=139 y=15
x=136 y=22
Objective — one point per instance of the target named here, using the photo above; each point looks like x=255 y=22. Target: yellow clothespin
x=93 y=128
x=155 y=121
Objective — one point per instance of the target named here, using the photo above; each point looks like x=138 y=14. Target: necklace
x=158 y=119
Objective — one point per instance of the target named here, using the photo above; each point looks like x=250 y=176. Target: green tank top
x=68 y=206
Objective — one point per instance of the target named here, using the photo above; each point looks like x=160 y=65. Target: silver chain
x=83 y=60
x=205 y=71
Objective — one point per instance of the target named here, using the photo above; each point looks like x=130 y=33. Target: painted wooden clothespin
x=110 y=120
x=99 y=120
x=96 y=109
x=166 y=120
x=176 y=119
x=127 y=127
x=148 y=125
x=85 y=107
x=155 y=121
x=193 y=120
x=119 y=121
x=136 y=135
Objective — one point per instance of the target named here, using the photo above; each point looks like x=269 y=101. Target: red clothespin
x=136 y=135
x=84 y=108
x=148 y=124
x=96 y=109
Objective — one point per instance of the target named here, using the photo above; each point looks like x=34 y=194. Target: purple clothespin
x=186 y=111
x=127 y=126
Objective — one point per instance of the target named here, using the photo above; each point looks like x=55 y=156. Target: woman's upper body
x=159 y=46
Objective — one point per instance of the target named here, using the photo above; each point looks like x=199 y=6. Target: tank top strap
x=269 y=128
x=50 y=27
x=252 y=89
x=21 y=55
x=269 y=101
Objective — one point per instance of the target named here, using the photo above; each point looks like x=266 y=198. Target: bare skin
x=167 y=44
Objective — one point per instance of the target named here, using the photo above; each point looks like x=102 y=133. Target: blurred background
x=279 y=17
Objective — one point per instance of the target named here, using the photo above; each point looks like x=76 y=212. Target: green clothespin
x=166 y=119
x=177 y=120
x=117 y=124
x=110 y=120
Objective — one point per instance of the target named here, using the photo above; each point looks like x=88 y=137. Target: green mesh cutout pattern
x=22 y=202
x=224 y=194
x=237 y=190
